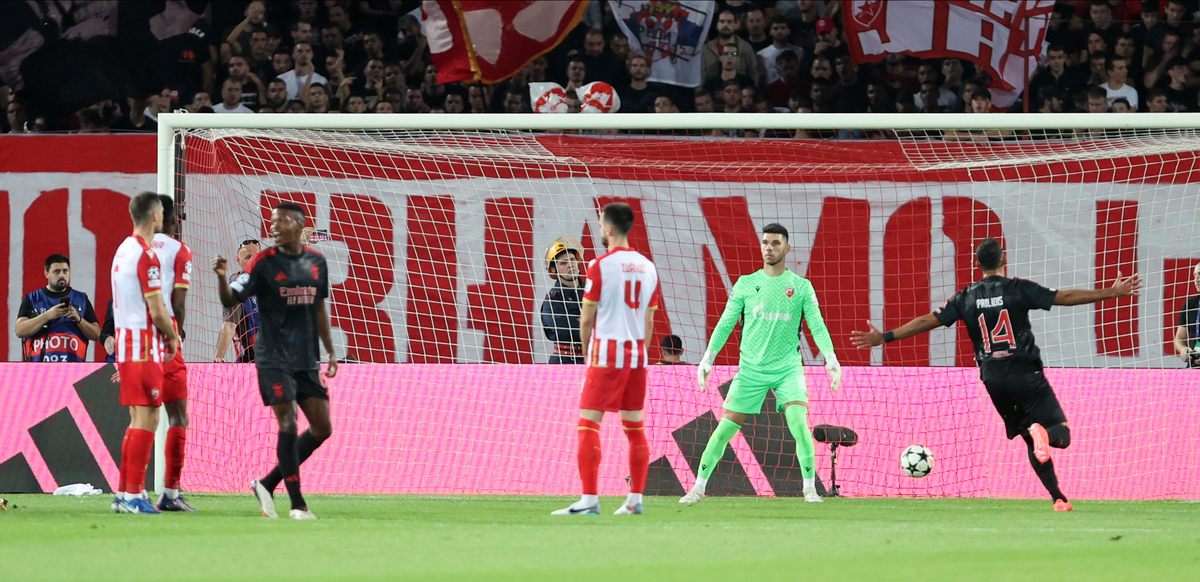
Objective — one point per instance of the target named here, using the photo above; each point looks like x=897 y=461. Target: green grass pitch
x=514 y=538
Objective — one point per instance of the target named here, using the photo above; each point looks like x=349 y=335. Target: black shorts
x=279 y=386
x=1023 y=399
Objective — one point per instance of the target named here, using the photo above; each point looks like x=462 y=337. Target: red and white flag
x=476 y=41
x=1002 y=37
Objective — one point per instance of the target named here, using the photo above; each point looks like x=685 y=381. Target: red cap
x=825 y=25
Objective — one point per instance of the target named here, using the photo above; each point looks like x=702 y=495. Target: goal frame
x=169 y=125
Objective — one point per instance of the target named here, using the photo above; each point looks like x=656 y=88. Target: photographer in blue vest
x=56 y=322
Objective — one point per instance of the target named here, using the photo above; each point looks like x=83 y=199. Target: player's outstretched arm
x=720 y=334
x=873 y=337
x=1122 y=287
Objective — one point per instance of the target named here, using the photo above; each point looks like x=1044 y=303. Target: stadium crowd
x=762 y=56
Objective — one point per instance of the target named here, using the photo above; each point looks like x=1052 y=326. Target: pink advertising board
x=509 y=429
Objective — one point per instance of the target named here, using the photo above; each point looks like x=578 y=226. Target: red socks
x=141 y=444
x=124 y=463
x=176 y=437
x=639 y=455
x=589 y=455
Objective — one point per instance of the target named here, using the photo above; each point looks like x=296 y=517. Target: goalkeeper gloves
x=834 y=369
x=705 y=369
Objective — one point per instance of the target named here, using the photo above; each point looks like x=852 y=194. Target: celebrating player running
x=771 y=303
x=291 y=282
x=996 y=310
x=619 y=301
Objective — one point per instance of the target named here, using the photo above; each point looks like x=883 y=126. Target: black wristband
x=889 y=337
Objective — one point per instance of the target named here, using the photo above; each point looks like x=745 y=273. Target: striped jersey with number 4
x=623 y=284
x=136 y=279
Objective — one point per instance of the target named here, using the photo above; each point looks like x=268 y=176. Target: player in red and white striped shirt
x=175 y=258
x=619 y=302
x=144 y=336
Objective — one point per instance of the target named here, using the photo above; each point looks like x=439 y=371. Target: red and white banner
x=437 y=260
x=1002 y=37
x=476 y=41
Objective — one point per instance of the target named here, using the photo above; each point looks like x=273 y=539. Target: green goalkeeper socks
x=797 y=421
x=716 y=447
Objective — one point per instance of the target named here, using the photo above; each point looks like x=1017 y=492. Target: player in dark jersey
x=995 y=310
x=291 y=282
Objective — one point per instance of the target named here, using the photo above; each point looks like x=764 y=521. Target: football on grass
x=916 y=461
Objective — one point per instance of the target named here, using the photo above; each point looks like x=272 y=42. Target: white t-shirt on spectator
x=946 y=98
x=1125 y=91
x=220 y=108
x=295 y=83
x=766 y=59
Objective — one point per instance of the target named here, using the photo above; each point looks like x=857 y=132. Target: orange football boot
x=1062 y=505
x=1041 y=443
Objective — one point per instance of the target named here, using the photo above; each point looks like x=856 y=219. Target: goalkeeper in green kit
x=770 y=303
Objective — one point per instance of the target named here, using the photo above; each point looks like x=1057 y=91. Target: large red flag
x=1003 y=37
x=487 y=41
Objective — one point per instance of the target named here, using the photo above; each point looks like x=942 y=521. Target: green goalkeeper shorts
x=749 y=389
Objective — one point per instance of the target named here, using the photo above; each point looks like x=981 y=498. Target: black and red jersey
x=288 y=289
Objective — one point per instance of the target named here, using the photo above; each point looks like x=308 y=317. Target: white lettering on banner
x=1050 y=229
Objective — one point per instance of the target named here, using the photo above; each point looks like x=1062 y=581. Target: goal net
x=437 y=241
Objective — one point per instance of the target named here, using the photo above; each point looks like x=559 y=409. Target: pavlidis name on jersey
x=989 y=302
x=299 y=295
x=633 y=268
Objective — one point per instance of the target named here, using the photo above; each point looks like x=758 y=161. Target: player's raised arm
x=229 y=299
x=720 y=334
x=1122 y=287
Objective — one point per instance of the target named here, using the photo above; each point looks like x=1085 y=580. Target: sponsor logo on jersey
x=299 y=295
x=761 y=314
x=281 y=276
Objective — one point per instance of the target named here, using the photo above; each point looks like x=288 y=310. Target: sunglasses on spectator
x=249 y=241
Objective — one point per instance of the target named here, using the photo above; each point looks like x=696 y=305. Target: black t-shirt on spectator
x=189 y=52
x=607 y=68
x=1071 y=41
x=716 y=84
x=760 y=45
x=849 y=98
x=123 y=123
x=1180 y=99
x=638 y=100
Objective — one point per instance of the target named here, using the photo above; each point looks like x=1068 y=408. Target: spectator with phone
x=56 y=322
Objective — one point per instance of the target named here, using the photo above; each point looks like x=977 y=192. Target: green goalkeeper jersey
x=771 y=309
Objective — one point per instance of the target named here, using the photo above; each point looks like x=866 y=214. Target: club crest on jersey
x=316 y=272
x=789 y=291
